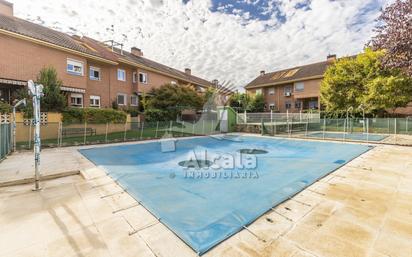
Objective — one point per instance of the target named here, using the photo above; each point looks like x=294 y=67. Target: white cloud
x=228 y=47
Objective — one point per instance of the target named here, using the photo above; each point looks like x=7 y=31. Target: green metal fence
x=371 y=130
x=5 y=140
x=74 y=134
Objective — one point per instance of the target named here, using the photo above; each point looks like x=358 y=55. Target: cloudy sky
x=223 y=39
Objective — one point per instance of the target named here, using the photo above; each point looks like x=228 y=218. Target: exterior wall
x=121 y=87
x=154 y=80
x=311 y=89
x=23 y=61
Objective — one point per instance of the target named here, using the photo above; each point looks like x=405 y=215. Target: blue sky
x=218 y=39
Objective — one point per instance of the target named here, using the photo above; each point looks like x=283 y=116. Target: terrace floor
x=362 y=209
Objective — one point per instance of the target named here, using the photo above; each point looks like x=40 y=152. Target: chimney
x=188 y=71
x=135 y=51
x=6 y=8
x=262 y=72
x=215 y=82
x=331 y=57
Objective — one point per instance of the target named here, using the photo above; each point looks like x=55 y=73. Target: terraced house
x=94 y=74
x=294 y=89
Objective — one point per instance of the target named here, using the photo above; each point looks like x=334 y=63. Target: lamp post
x=36 y=91
x=21 y=102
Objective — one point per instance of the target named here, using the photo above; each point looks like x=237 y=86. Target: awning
x=305 y=96
x=73 y=89
x=13 y=82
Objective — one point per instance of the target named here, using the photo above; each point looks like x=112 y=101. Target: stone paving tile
x=362 y=209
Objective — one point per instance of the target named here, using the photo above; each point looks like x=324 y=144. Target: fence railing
x=246 y=118
x=377 y=130
x=63 y=134
x=5 y=140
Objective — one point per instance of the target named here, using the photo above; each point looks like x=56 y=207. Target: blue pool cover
x=348 y=136
x=206 y=206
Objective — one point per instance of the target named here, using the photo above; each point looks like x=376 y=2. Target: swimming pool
x=205 y=206
x=348 y=136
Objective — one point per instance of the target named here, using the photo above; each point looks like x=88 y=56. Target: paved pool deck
x=362 y=209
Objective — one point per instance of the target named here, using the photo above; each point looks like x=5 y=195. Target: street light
x=36 y=90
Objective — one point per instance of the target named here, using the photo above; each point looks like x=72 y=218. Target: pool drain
x=196 y=163
x=252 y=151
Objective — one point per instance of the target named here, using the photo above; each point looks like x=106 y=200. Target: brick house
x=94 y=74
x=294 y=89
x=297 y=89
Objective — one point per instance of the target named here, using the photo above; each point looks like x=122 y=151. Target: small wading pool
x=204 y=206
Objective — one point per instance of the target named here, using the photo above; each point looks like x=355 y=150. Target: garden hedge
x=93 y=115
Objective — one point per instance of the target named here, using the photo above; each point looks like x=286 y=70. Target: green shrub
x=5 y=107
x=158 y=115
x=93 y=115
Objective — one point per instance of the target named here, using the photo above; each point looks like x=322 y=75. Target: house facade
x=291 y=90
x=94 y=74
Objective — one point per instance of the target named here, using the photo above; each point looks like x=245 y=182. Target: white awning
x=13 y=82
x=72 y=89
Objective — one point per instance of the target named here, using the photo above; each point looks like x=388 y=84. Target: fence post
x=271 y=116
x=395 y=131
x=212 y=129
x=245 y=117
x=58 y=134
x=107 y=129
x=30 y=121
x=125 y=130
x=324 y=127
x=1 y=140
x=157 y=127
x=84 y=136
x=203 y=127
x=367 y=130
x=193 y=128
x=141 y=131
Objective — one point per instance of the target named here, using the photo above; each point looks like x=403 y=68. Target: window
x=134 y=77
x=121 y=75
x=298 y=104
x=75 y=67
x=272 y=106
x=94 y=73
x=143 y=77
x=76 y=100
x=94 y=101
x=288 y=89
x=121 y=99
x=271 y=91
x=299 y=86
x=133 y=100
x=258 y=91
x=288 y=104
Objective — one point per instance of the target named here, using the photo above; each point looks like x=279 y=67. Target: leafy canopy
x=361 y=80
x=394 y=35
x=168 y=101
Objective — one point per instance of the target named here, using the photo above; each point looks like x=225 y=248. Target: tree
x=240 y=101
x=394 y=35
x=168 y=101
x=257 y=104
x=53 y=99
x=361 y=80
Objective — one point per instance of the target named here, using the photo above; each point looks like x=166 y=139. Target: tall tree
x=53 y=99
x=394 y=35
x=168 y=102
x=361 y=80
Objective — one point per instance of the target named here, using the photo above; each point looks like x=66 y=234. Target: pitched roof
x=291 y=74
x=35 y=31
x=89 y=46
